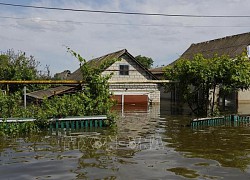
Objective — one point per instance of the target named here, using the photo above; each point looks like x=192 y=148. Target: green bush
x=93 y=99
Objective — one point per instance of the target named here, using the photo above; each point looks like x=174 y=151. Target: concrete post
x=24 y=94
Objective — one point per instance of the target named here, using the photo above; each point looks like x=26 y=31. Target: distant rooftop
x=230 y=45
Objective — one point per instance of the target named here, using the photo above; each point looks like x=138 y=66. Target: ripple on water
x=142 y=146
x=182 y=171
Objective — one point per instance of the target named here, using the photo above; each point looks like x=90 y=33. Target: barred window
x=124 y=70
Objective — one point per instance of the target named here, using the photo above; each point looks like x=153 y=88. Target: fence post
x=233 y=117
x=25 y=96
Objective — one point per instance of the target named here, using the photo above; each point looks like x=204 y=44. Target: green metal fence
x=230 y=120
x=76 y=122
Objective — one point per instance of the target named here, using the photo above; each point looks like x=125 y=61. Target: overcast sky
x=44 y=33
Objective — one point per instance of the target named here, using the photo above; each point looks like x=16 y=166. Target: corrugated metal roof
x=41 y=94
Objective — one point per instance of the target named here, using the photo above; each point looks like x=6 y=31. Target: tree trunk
x=213 y=102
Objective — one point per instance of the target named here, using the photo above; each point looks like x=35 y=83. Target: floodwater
x=145 y=145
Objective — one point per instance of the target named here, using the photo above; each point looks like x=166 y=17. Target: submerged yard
x=149 y=144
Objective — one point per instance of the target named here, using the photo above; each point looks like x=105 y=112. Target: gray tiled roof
x=230 y=45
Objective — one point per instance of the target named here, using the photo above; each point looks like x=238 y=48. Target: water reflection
x=150 y=144
x=230 y=146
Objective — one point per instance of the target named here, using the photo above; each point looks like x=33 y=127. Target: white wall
x=244 y=96
x=136 y=73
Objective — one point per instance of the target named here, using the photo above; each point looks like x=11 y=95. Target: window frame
x=124 y=70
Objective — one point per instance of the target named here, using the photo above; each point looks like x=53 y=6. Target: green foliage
x=97 y=97
x=147 y=62
x=17 y=66
x=57 y=107
x=94 y=99
x=9 y=104
x=17 y=128
x=199 y=78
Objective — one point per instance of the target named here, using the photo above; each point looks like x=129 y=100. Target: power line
x=122 y=24
x=125 y=13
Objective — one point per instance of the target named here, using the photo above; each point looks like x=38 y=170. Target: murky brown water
x=143 y=146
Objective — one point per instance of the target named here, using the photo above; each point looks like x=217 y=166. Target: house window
x=124 y=70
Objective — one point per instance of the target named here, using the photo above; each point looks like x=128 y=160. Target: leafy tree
x=96 y=87
x=94 y=99
x=145 y=61
x=17 y=66
x=199 y=79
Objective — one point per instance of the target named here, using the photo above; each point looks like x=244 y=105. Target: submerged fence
x=230 y=120
x=76 y=122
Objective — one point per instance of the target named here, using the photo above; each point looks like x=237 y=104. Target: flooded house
x=231 y=46
x=131 y=83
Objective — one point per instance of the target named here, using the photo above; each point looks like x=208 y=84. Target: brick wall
x=136 y=73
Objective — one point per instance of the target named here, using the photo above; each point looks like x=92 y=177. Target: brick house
x=131 y=82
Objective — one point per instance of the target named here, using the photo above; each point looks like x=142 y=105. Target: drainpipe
x=122 y=105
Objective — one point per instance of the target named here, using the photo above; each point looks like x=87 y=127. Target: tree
x=17 y=66
x=97 y=97
x=147 y=62
x=199 y=79
x=93 y=99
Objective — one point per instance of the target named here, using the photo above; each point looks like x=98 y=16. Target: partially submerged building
x=231 y=46
x=131 y=82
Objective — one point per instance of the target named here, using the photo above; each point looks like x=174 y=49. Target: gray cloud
x=164 y=42
x=43 y=25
